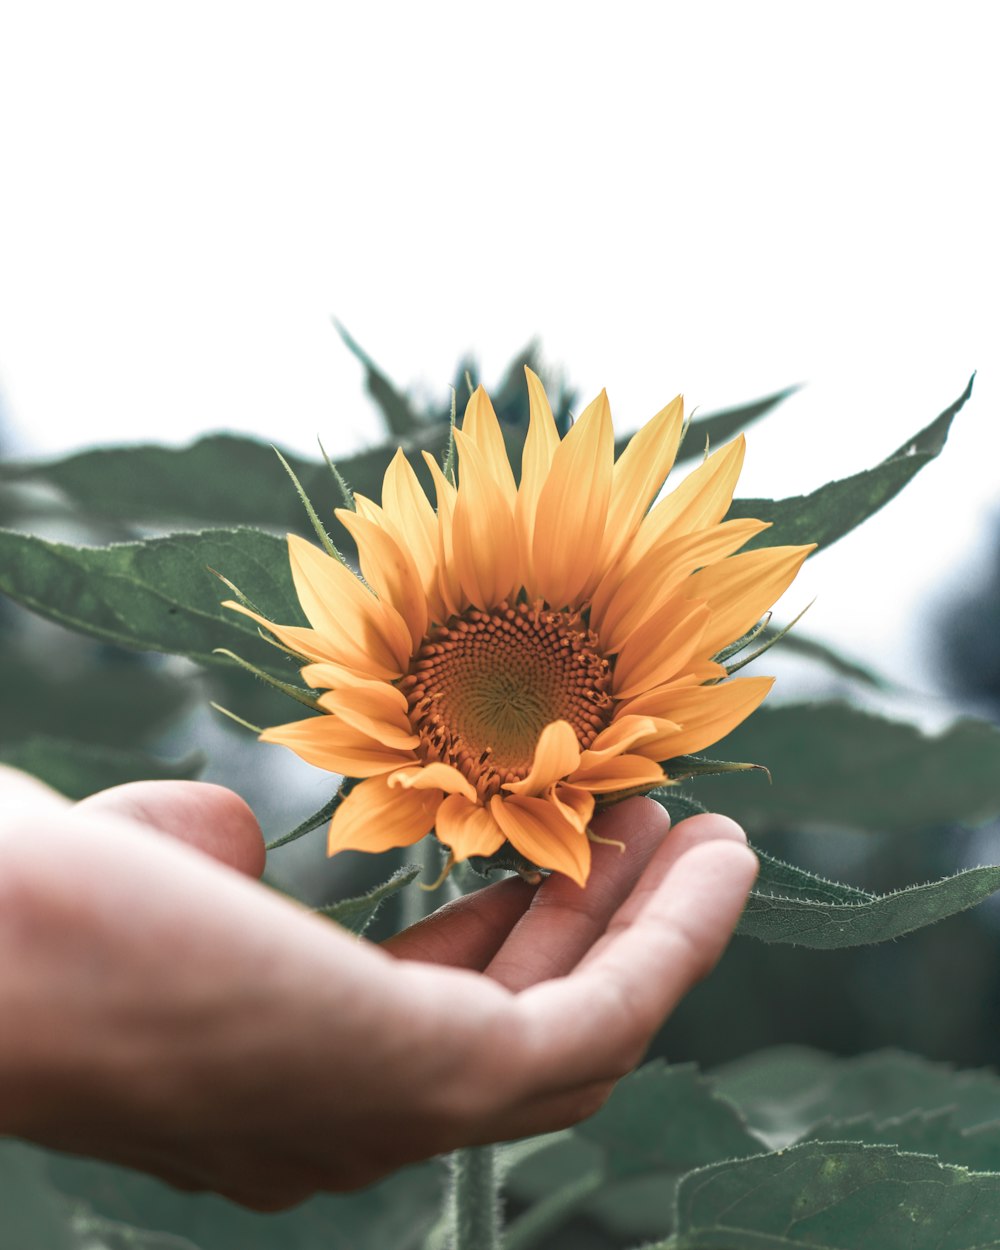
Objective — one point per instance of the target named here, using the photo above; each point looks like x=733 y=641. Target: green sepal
x=357 y=913
x=293 y=692
x=317 y=818
x=329 y=546
x=681 y=767
x=341 y=483
x=734 y=648
x=506 y=859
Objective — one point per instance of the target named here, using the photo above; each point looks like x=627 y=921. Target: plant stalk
x=474 y=1199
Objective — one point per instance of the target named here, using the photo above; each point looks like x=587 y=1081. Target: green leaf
x=33 y=1216
x=825 y=923
x=396 y=1213
x=77 y=769
x=718 y=427
x=222 y=479
x=787 y=1093
x=836 y=1196
x=838 y=507
x=318 y=818
x=158 y=595
x=837 y=767
x=812 y=649
x=398 y=413
x=356 y=914
x=107 y=703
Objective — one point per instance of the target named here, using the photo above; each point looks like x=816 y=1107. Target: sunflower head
x=523 y=651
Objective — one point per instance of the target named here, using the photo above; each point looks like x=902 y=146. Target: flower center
x=483 y=687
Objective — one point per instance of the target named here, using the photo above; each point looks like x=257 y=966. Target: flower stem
x=474 y=1199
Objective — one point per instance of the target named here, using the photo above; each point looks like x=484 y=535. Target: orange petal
x=308 y=643
x=706 y=714
x=485 y=542
x=434 y=776
x=557 y=753
x=467 y=828
x=657 y=701
x=390 y=571
x=365 y=633
x=325 y=676
x=659 y=649
x=621 y=772
x=701 y=500
x=622 y=603
x=375 y=817
x=410 y=511
x=576 y=805
x=481 y=426
x=739 y=590
x=327 y=742
x=377 y=709
x=639 y=473
x=449 y=587
x=540 y=446
x=620 y=736
x=573 y=507
x=540 y=831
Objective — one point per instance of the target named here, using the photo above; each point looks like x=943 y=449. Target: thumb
x=208 y=817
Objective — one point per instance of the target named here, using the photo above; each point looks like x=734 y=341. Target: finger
x=209 y=817
x=707 y=827
x=467 y=932
x=595 y=1024
x=18 y=789
x=564 y=920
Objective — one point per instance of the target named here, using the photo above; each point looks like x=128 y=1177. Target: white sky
x=719 y=199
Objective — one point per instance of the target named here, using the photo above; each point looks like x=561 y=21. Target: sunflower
x=526 y=650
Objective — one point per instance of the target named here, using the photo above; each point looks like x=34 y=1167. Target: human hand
x=161 y=1009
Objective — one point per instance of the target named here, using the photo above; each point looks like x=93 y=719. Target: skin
x=161 y=1009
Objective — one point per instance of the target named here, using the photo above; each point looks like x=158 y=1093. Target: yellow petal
x=338 y=606
x=327 y=742
x=309 y=643
x=375 y=817
x=410 y=510
x=658 y=700
x=449 y=587
x=540 y=831
x=739 y=590
x=481 y=426
x=659 y=649
x=556 y=754
x=540 y=446
x=706 y=714
x=467 y=828
x=701 y=500
x=622 y=604
x=573 y=507
x=434 y=776
x=620 y=736
x=325 y=676
x=484 y=539
x=621 y=772
x=377 y=709
x=640 y=471
x=576 y=805
x=390 y=571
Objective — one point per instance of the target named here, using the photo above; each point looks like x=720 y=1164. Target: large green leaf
x=794 y=906
x=620 y=1165
x=396 y=1213
x=77 y=769
x=836 y=766
x=222 y=479
x=158 y=595
x=838 y=507
x=836 y=1196
x=716 y=428
x=33 y=1215
x=788 y=1093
